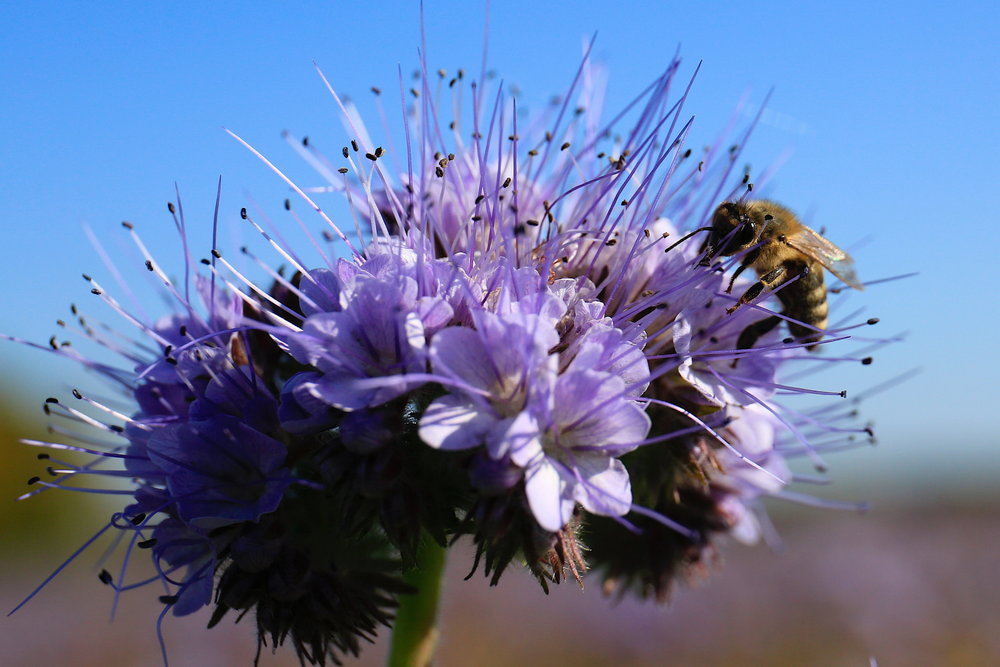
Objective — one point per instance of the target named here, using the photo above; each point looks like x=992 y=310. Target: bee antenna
x=686 y=237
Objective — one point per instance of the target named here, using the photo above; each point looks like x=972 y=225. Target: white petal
x=549 y=496
x=452 y=422
x=607 y=489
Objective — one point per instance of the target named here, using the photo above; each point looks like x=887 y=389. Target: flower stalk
x=415 y=632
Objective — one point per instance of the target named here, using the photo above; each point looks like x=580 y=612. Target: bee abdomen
x=805 y=301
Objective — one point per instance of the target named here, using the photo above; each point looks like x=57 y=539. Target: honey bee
x=780 y=249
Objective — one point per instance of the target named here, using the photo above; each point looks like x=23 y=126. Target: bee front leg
x=736 y=273
x=768 y=282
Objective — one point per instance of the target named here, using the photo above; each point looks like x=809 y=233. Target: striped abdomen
x=805 y=301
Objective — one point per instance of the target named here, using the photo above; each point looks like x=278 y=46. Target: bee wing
x=838 y=262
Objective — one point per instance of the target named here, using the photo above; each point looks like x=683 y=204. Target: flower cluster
x=524 y=343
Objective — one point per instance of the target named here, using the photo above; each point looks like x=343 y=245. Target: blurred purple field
x=906 y=586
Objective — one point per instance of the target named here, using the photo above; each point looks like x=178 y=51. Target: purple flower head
x=562 y=426
x=364 y=351
x=220 y=470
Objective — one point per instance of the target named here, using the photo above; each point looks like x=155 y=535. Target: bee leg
x=736 y=273
x=750 y=335
x=768 y=282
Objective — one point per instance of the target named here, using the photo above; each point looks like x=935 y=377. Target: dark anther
x=53 y=343
x=52 y=399
x=564 y=146
x=867 y=361
x=343 y=170
x=371 y=156
x=354 y=145
x=105 y=577
x=170 y=207
x=43 y=457
x=305 y=141
x=518 y=230
x=146 y=544
x=77 y=394
x=205 y=262
x=34 y=480
x=216 y=254
x=611 y=242
x=126 y=224
x=243 y=213
x=768 y=217
x=116 y=428
x=843 y=394
x=376 y=90
x=86 y=277
x=532 y=223
x=137 y=519
x=788 y=341
x=873 y=320
x=687 y=153
x=288 y=205
x=345 y=151
x=439 y=172
x=149 y=265
x=749 y=187
x=378 y=152
x=96 y=291
x=168 y=599
x=506 y=182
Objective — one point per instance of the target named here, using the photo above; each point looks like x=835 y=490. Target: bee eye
x=745 y=234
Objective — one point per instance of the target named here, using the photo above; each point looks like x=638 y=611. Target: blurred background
x=883 y=119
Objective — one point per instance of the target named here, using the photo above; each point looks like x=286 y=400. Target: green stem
x=415 y=633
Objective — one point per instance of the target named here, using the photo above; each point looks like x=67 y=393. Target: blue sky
x=888 y=111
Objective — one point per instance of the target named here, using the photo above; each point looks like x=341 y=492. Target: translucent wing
x=838 y=262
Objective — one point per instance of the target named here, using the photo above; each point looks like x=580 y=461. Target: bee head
x=733 y=229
